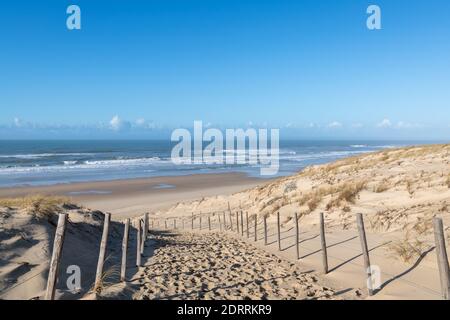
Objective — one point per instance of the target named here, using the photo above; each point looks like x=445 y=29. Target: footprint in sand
x=213 y=266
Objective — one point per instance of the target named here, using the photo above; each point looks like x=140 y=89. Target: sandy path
x=215 y=266
x=418 y=279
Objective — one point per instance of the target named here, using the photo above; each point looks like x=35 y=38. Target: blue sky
x=137 y=69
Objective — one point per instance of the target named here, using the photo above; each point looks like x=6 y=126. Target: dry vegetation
x=108 y=279
x=39 y=206
x=408 y=249
x=382 y=186
x=398 y=190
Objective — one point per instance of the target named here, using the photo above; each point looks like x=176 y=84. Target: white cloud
x=17 y=122
x=406 y=125
x=335 y=124
x=357 y=125
x=386 y=123
x=402 y=124
x=118 y=124
x=140 y=122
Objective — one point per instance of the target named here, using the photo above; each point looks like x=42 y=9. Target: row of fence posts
x=143 y=228
x=141 y=236
x=239 y=223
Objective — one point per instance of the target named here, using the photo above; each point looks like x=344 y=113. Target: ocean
x=52 y=162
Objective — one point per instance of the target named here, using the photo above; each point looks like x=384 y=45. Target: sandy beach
x=398 y=191
x=127 y=198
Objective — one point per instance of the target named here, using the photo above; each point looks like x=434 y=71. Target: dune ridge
x=398 y=191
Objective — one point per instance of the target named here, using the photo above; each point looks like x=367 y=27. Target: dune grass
x=39 y=206
x=106 y=279
x=407 y=249
x=382 y=186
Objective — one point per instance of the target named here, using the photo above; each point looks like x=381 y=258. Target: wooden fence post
x=365 y=250
x=323 y=243
x=138 y=244
x=56 y=256
x=265 y=230
x=297 y=236
x=237 y=222
x=175 y=223
x=142 y=239
x=246 y=221
x=242 y=223
x=231 y=221
x=200 y=221
x=102 y=253
x=123 y=267
x=192 y=221
x=145 y=227
x=279 y=232
x=442 y=259
x=224 y=222
x=209 y=222
x=220 y=223
x=256 y=227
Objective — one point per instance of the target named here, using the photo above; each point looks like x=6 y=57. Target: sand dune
x=398 y=191
x=26 y=242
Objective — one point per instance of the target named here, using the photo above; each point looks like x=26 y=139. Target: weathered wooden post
x=442 y=259
x=175 y=223
x=138 y=244
x=256 y=227
x=102 y=253
x=237 y=222
x=123 y=267
x=242 y=223
x=220 y=222
x=192 y=221
x=144 y=237
x=209 y=222
x=265 y=230
x=56 y=256
x=297 y=236
x=365 y=250
x=246 y=223
x=323 y=244
x=145 y=227
x=279 y=232
x=200 y=221
x=224 y=222
x=231 y=221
